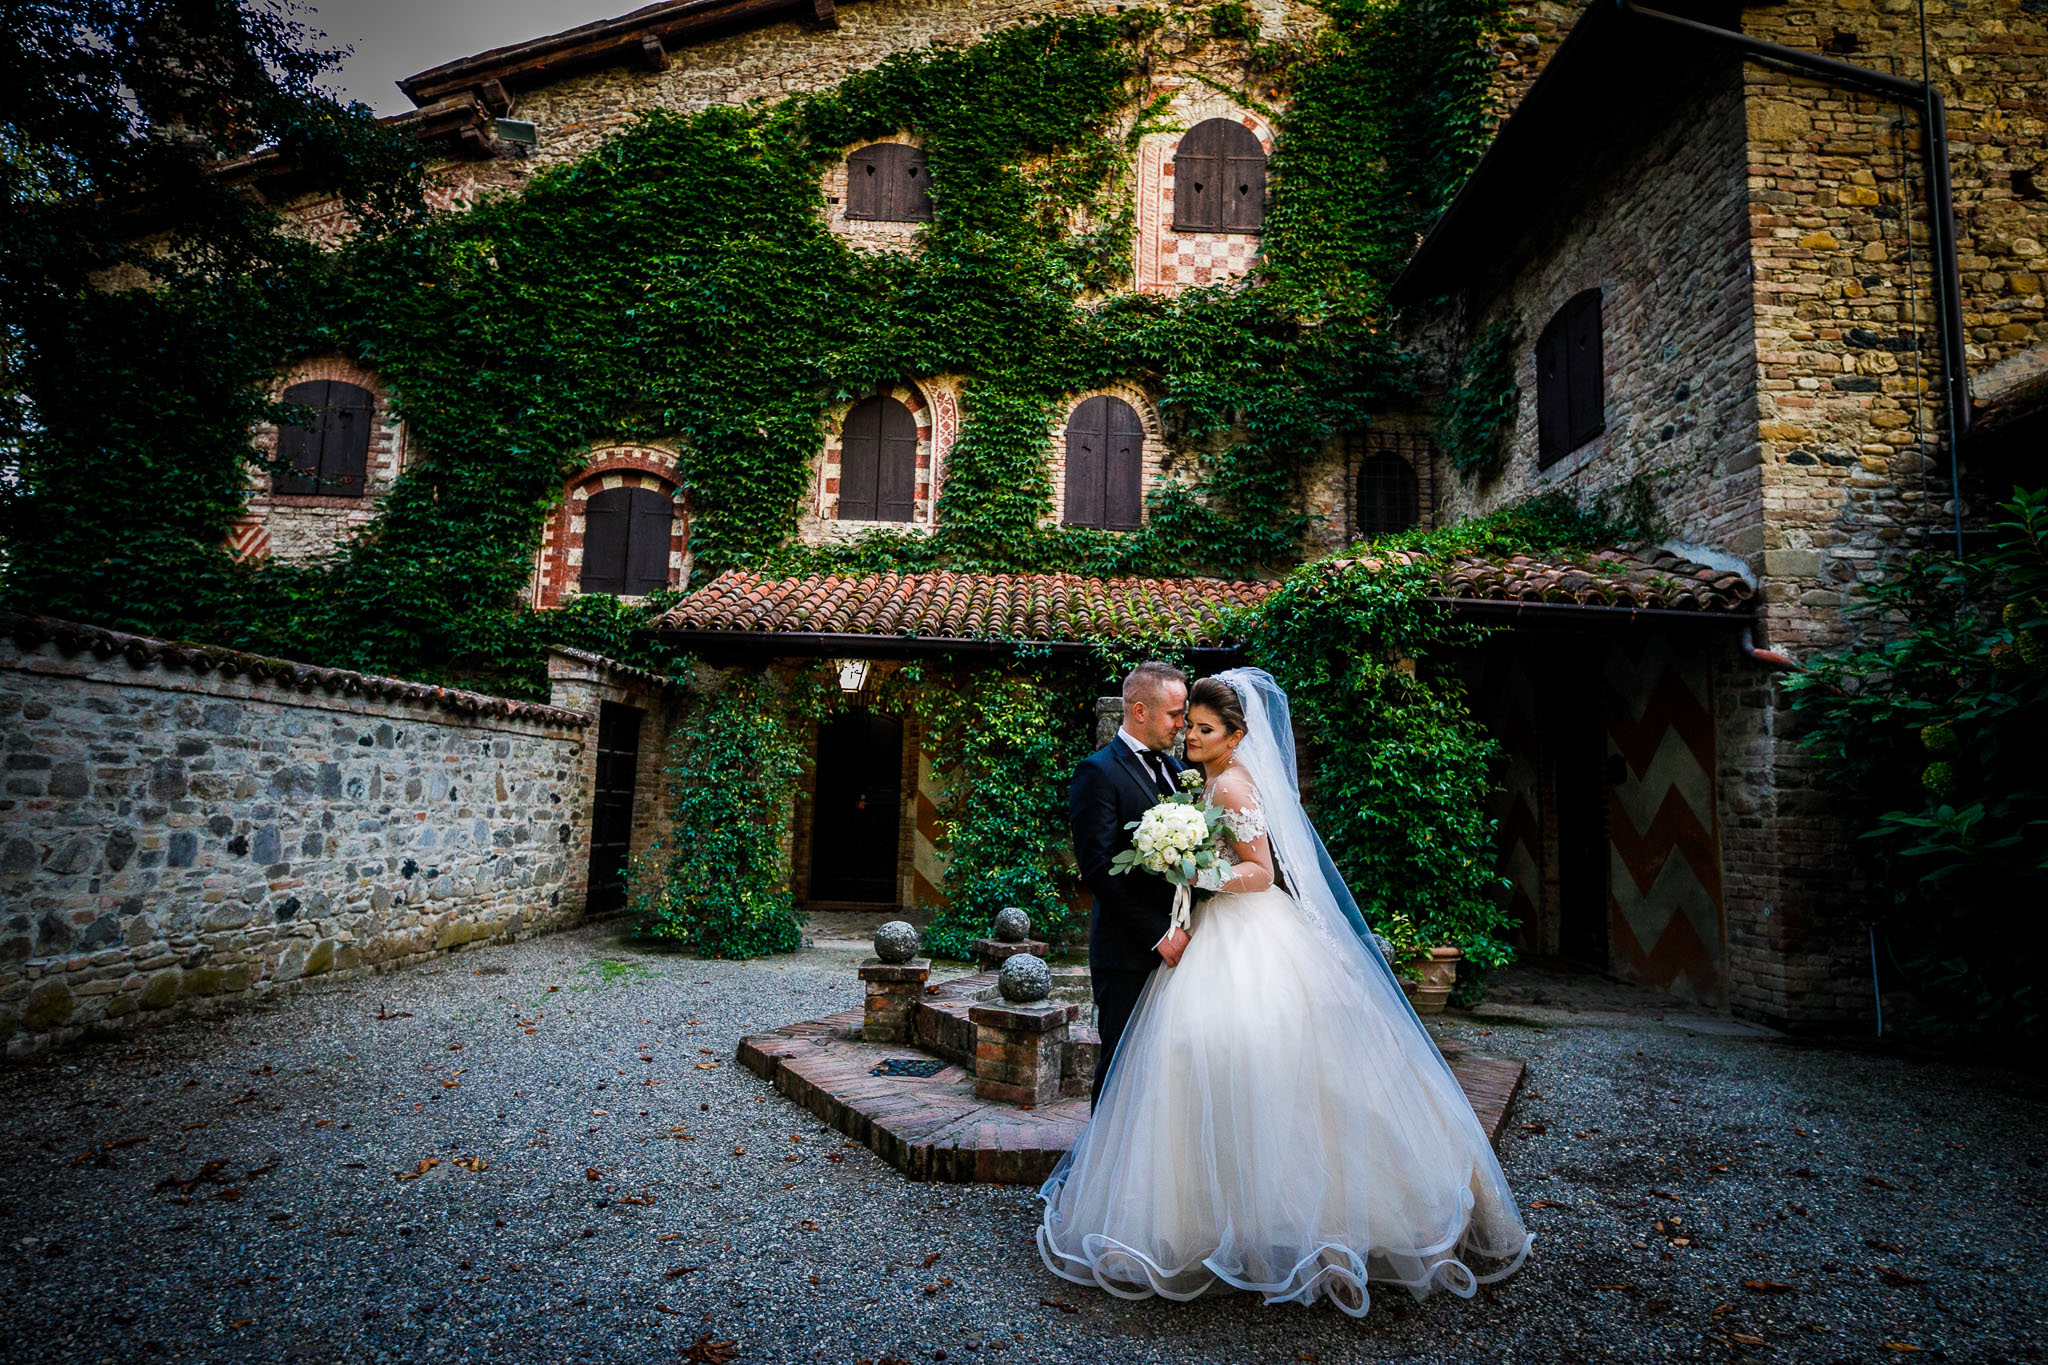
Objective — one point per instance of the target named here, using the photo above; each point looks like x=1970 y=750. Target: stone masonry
x=180 y=828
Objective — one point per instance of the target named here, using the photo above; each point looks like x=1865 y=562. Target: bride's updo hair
x=1216 y=695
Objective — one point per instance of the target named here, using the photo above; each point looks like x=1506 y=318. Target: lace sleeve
x=1247 y=822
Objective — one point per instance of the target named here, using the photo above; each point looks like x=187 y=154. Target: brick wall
x=1664 y=238
x=1848 y=341
x=176 y=836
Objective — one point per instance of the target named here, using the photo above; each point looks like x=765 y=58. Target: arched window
x=888 y=182
x=1571 y=399
x=1105 y=465
x=1219 y=179
x=626 y=541
x=331 y=453
x=878 y=462
x=1387 y=496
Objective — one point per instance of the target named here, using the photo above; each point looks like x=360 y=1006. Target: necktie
x=1160 y=779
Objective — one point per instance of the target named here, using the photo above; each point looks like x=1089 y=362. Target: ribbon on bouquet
x=1183 y=916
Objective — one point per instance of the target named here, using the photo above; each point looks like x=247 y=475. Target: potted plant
x=1426 y=971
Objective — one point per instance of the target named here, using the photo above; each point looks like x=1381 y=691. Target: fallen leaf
x=1063 y=1306
x=1614 y=1286
x=1548 y=1204
x=707 y=1066
x=240 y=1322
x=1897 y=1279
x=592 y=1173
x=1767 y=1286
x=932 y=1260
x=680 y=1271
x=1900 y=1346
x=1880 y=1184
x=427 y=1163
x=1538 y=1128
x=1745 y=1338
x=1662 y=1194
x=1876 y=1245
x=705 y=1351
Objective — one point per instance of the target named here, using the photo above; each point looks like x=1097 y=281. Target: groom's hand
x=1173 y=945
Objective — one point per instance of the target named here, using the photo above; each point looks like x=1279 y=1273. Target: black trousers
x=1116 y=995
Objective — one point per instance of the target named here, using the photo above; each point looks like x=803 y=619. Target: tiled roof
x=964 y=606
x=141 y=651
x=1066 y=607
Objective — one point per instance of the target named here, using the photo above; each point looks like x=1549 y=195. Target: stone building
x=1721 y=244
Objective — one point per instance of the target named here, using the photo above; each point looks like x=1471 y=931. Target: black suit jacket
x=1111 y=789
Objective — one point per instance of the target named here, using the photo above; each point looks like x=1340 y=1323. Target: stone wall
x=1664 y=237
x=181 y=827
x=1848 y=339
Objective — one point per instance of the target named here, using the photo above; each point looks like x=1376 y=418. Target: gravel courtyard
x=545 y=1152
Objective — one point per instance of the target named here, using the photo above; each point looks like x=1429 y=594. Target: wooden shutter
x=606 y=525
x=1087 y=462
x=1388 y=496
x=1587 y=367
x=650 y=518
x=298 y=447
x=895 y=463
x=1199 y=171
x=345 y=440
x=1124 y=469
x=1553 y=394
x=860 y=459
x=888 y=182
x=1244 y=178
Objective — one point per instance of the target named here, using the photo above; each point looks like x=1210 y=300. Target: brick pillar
x=894 y=988
x=991 y=953
x=1017 y=1051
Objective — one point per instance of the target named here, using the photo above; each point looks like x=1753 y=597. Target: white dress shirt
x=1141 y=748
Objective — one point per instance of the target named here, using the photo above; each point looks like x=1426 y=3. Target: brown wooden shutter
x=867 y=188
x=1587 y=367
x=1087 y=462
x=606 y=525
x=1553 y=393
x=298 y=446
x=1388 y=496
x=650 y=519
x=888 y=182
x=895 y=463
x=1199 y=171
x=860 y=459
x=345 y=440
x=1244 y=179
x=1124 y=470
x=910 y=198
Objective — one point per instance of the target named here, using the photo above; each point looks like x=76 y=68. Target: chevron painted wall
x=1666 y=924
x=1518 y=803
x=927 y=865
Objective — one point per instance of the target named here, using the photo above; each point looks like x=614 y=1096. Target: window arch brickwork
x=559 y=570
x=935 y=408
x=1153 y=460
x=1406 y=441
x=293 y=525
x=876 y=234
x=1169 y=259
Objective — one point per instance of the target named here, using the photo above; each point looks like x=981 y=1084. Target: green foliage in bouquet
x=1936 y=738
x=716 y=882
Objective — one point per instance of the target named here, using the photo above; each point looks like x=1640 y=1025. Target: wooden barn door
x=858 y=809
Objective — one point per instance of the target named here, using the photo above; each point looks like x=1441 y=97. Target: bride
x=1276 y=1118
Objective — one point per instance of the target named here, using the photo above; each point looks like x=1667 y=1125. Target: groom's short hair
x=1148 y=679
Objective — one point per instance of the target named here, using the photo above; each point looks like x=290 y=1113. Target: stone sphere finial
x=897 y=941
x=1012 y=925
x=1025 y=980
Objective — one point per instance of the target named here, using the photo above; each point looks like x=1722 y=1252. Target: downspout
x=1925 y=100
x=1766 y=658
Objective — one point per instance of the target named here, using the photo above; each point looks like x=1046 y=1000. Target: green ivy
x=717 y=882
x=1477 y=415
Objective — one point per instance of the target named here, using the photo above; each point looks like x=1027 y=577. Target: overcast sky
x=394 y=38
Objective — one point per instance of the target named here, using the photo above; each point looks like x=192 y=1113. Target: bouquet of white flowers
x=1176 y=839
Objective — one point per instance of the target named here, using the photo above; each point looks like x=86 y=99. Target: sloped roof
x=1067 y=608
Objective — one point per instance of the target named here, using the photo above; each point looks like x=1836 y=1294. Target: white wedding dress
x=1272 y=1120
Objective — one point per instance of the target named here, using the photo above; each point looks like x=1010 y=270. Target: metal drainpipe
x=1925 y=100
x=1768 y=658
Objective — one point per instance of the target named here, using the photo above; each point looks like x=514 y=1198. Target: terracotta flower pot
x=1439 y=972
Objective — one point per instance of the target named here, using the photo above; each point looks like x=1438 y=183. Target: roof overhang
x=1612 y=82
x=642 y=38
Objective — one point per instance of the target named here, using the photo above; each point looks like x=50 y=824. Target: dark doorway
x=611 y=815
x=858 y=808
x=1582 y=857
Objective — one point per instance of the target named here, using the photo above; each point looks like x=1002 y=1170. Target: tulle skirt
x=1270 y=1124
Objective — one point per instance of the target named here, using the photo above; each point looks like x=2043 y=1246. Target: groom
x=1128 y=933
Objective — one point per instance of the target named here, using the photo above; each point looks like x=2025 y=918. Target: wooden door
x=611 y=817
x=857 y=809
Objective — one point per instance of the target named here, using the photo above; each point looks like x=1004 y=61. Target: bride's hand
x=1173 y=945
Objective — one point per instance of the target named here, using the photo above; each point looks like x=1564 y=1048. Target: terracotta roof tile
x=1065 y=607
